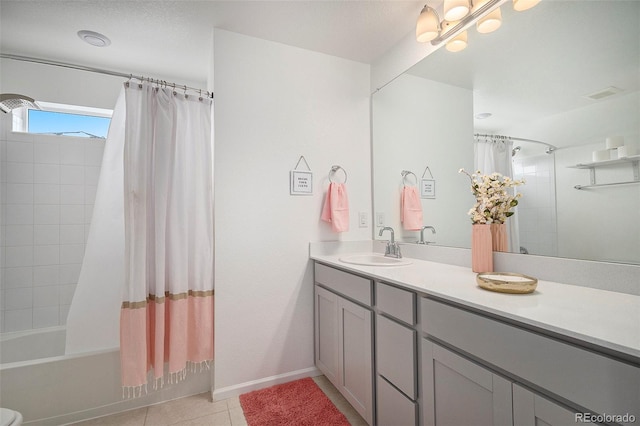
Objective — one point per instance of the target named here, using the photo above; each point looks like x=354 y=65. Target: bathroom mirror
x=565 y=73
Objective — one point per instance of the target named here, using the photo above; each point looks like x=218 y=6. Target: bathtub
x=51 y=388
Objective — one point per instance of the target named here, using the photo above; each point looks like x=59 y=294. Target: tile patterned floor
x=199 y=410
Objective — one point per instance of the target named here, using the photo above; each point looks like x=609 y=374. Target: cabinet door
x=460 y=392
x=393 y=408
x=326 y=334
x=530 y=409
x=356 y=349
x=396 y=355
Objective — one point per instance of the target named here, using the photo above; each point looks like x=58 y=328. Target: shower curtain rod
x=550 y=148
x=103 y=71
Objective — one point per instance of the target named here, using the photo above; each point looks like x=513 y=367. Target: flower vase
x=499 y=237
x=481 y=248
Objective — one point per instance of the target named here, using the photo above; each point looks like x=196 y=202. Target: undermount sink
x=373 y=259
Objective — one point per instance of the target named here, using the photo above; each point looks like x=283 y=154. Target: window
x=67 y=120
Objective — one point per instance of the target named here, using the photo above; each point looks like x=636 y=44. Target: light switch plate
x=379 y=219
x=362 y=219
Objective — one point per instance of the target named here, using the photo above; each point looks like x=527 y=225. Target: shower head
x=515 y=150
x=9 y=101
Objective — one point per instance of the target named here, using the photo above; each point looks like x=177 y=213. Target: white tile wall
x=47 y=190
x=71 y=194
x=20 y=172
x=17 y=277
x=47 y=153
x=46 y=173
x=46 y=193
x=18 y=214
x=18 y=235
x=46 y=316
x=46 y=214
x=46 y=255
x=46 y=234
x=69 y=273
x=46 y=275
x=21 y=152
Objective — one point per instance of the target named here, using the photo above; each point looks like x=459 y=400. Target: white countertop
x=603 y=318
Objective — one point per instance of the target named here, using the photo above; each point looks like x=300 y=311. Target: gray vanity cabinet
x=460 y=392
x=531 y=409
x=396 y=356
x=560 y=371
x=344 y=335
x=326 y=333
x=439 y=363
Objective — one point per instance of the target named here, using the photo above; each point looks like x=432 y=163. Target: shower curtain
x=166 y=315
x=496 y=156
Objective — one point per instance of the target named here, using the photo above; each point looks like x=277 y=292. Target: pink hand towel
x=410 y=209
x=336 y=207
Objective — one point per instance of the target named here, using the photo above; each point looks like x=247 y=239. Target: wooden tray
x=506 y=282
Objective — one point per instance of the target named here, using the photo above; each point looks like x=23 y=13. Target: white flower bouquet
x=494 y=197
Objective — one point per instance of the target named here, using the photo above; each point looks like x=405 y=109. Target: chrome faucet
x=392 y=249
x=422 y=241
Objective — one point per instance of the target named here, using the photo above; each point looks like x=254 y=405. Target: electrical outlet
x=362 y=216
x=379 y=220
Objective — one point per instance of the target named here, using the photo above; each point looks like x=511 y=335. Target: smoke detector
x=94 y=38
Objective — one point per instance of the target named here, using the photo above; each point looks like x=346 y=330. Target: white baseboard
x=239 y=389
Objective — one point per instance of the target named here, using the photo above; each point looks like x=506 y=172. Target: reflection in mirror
x=546 y=75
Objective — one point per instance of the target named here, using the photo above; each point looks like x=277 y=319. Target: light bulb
x=427 y=26
x=454 y=10
x=457 y=43
x=521 y=5
x=490 y=22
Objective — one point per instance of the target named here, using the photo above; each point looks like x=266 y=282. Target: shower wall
x=537 y=207
x=47 y=191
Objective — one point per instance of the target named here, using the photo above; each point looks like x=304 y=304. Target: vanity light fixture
x=458 y=15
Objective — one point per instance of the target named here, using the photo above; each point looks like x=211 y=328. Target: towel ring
x=334 y=169
x=405 y=173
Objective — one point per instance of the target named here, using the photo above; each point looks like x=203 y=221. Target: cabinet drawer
x=588 y=379
x=396 y=354
x=393 y=407
x=398 y=303
x=351 y=286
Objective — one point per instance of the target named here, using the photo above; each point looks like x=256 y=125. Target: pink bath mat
x=297 y=403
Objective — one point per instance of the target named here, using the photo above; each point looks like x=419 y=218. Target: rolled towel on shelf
x=614 y=142
x=410 y=209
x=336 y=207
x=626 y=151
x=601 y=155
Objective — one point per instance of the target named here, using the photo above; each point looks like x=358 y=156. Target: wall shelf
x=634 y=161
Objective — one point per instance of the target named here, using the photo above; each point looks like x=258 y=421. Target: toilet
x=10 y=417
